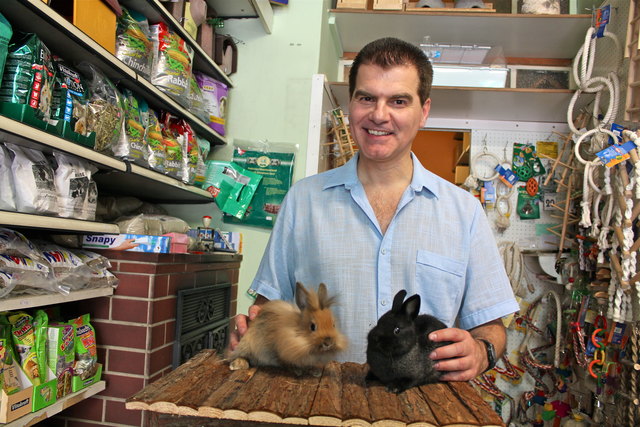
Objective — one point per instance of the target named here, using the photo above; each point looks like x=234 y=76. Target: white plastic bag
x=7 y=197
x=35 y=189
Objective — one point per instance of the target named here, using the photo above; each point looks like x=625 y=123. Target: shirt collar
x=347 y=175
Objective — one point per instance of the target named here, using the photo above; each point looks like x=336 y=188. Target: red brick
x=120 y=335
x=89 y=409
x=160 y=286
x=128 y=362
x=234 y=292
x=164 y=309
x=180 y=281
x=133 y=285
x=102 y=357
x=234 y=275
x=170 y=334
x=122 y=386
x=130 y=310
x=170 y=268
x=71 y=423
x=99 y=308
x=223 y=276
x=158 y=333
x=117 y=413
x=199 y=267
x=135 y=267
x=161 y=359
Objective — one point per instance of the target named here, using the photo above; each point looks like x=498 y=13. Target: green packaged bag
x=276 y=169
x=231 y=186
x=5 y=36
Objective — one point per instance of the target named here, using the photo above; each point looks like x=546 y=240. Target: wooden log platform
x=204 y=387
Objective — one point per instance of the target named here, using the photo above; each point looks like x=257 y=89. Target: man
x=382 y=223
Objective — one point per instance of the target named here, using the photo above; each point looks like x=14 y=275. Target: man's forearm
x=495 y=333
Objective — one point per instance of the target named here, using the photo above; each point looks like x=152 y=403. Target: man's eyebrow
x=361 y=92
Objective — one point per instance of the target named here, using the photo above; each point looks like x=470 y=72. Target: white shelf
x=521 y=105
x=63 y=38
x=155 y=11
x=520 y=35
x=245 y=9
x=17 y=219
x=22 y=302
x=62 y=404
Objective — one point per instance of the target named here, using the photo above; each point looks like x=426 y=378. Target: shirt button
x=383 y=251
x=383 y=302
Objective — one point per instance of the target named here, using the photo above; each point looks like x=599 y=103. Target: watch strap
x=491 y=353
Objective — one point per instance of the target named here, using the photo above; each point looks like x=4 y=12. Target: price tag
x=548 y=200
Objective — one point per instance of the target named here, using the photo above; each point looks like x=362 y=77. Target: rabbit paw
x=239 y=363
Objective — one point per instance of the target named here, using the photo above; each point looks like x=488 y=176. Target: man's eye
x=366 y=99
x=399 y=102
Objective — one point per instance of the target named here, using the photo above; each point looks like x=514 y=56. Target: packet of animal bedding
x=232 y=186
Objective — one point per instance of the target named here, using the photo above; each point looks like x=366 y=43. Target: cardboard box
x=78 y=383
x=234 y=238
x=44 y=394
x=355 y=4
x=17 y=404
x=97 y=20
x=388 y=4
x=179 y=243
x=127 y=242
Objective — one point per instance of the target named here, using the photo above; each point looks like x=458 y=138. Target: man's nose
x=380 y=112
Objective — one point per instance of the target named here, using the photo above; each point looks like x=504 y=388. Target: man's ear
x=425 y=111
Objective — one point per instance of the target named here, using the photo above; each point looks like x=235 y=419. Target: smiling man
x=382 y=223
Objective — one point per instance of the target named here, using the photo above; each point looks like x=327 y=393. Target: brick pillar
x=135 y=328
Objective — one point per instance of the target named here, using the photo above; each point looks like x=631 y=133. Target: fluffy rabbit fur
x=398 y=346
x=300 y=337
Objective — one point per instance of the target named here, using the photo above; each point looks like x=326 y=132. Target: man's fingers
x=253 y=311
x=457 y=349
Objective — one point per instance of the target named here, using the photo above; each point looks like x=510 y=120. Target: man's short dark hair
x=390 y=52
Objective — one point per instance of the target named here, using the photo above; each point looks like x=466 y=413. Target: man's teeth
x=378 y=132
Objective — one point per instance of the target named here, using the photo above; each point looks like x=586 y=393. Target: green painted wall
x=269 y=101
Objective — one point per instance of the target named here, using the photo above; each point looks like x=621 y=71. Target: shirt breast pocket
x=440 y=281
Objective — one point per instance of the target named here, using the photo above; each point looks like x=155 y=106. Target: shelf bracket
x=265 y=13
x=335 y=35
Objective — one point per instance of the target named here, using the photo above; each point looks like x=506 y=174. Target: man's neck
x=385 y=174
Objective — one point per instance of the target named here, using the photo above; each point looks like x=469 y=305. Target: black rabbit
x=398 y=346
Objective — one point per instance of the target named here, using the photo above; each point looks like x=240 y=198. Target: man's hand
x=240 y=323
x=464 y=359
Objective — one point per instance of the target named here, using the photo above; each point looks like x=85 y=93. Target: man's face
x=385 y=112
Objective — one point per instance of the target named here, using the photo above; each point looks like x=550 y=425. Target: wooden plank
x=355 y=408
x=327 y=405
x=416 y=409
x=470 y=397
x=220 y=403
x=384 y=404
x=302 y=397
x=446 y=406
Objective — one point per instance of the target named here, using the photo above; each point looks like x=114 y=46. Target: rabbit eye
x=396 y=331
x=312 y=327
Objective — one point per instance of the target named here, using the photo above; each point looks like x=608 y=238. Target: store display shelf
x=62 y=37
x=520 y=105
x=19 y=219
x=245 y=9
x=520 y=35
x=22 y=302
x=62 y=404
x=155 y=11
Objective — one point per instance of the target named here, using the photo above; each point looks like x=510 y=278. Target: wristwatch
x=491 y=354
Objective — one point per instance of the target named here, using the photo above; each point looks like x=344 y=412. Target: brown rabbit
x=302 y=337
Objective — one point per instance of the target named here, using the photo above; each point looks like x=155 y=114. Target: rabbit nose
x=327 y=343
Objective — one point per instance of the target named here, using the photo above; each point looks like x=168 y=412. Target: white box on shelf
x=455 y=75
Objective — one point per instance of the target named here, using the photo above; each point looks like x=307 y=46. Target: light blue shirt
x=439 y=244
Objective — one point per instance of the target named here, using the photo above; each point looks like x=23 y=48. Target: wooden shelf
x=62 y=404
x=520 y=35
x=42 y=222
x=63 y=38
x=22 y=302
x=114 y=176
x=155 y=11
x=522 y=105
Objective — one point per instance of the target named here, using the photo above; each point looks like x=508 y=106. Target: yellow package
x=24 y=339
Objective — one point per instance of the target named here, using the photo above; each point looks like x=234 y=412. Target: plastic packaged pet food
x=7 y=196
x=173 y=149
x=153 y=137
x=104 y=111
x=7 y=283
x=69 y=270
x=5 y=36
x=86 y=363
x=35 y=185
x=132 y=145
x=231 y=186
x=196 y=100
x=15 y=243
x=186 y=138
x=72 y=177
x=69 y=90
x=90 y=202
x=204 y=147
x=24 y=339
x=133 y=45
x=28 y=75
x=276 y=168
x=172 y=63
x=61 y=355
x=215 y=101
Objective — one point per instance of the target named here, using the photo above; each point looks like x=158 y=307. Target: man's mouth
x=378 y=132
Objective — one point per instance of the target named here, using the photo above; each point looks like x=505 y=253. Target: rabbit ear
x=411 y=307
x=397 y=300
x=302 y=296
x=322 y=292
